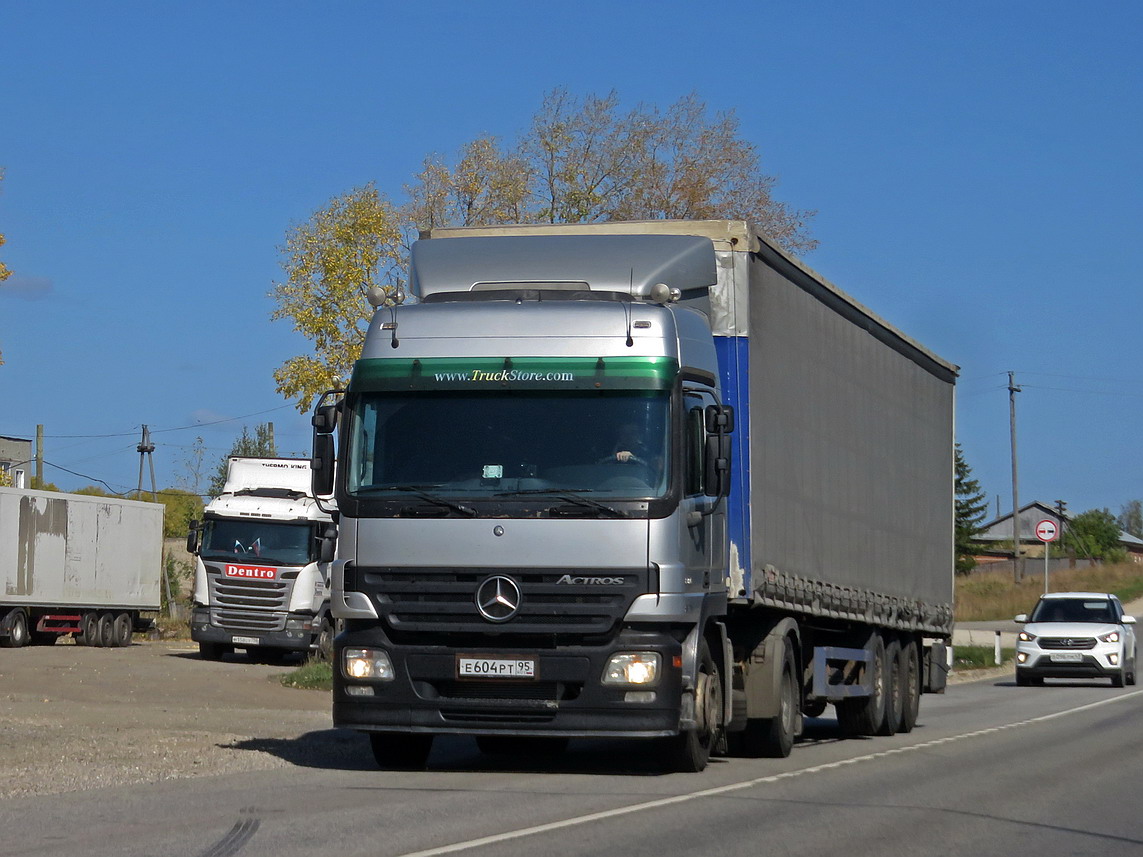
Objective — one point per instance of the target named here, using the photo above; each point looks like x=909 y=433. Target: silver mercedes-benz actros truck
x=652 y=480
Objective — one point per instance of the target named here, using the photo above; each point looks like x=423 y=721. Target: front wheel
x=400 y=752
x=325 y=640
x=690 y=751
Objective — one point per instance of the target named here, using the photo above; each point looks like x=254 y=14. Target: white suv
x=1076 y=635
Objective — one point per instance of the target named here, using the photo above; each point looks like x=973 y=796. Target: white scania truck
x=260 y=583
x=650 y=480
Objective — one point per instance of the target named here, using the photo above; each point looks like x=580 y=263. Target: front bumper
x=1034 y=662
x=295 y=639
x=567 y=697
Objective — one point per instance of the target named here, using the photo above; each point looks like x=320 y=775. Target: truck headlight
x=368 y=664
x=632 y=668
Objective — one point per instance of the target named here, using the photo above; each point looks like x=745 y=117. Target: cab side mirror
x=194 y=536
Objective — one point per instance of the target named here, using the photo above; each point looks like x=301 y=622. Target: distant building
x=999 y=530
x=15 y=458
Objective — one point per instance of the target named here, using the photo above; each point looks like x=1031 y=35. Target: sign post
x=1047 y=532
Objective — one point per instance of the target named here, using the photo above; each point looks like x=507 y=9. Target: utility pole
x=1017 y=554
x=146 y=450
x=40 y=456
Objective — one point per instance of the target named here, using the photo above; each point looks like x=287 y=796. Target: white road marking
x=746 y=784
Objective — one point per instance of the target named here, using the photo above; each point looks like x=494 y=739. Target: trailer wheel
x=106 y=633
x=17 y=630
x=89 y=630
x=773 y=737
x=894 y=696
x=400 y=752
x=910 y=684
x=690 y=751
x=864 y=715
x=124 y=629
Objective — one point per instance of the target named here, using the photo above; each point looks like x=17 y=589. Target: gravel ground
x=76 y=718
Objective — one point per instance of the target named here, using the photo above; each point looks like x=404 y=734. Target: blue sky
x=976 y=167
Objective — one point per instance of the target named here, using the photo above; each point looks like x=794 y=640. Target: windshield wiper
x=569 y=495
x=418 y=491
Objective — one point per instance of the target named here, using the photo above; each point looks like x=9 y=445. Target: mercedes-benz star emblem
x=498 y=598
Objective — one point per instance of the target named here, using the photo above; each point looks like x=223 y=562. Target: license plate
x=1066 y=658
x=246 y=641
x=471 y=667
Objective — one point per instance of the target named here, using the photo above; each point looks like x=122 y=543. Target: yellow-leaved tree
x=331 y=262
x=580 y=160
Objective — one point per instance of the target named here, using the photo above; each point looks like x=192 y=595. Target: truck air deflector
x=631 y=264
x=534 y=373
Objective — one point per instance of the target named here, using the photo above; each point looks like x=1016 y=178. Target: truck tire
x=773 y=737
x=89 y=629
x=106 y=633
x=17 y=630
x=124 y=629
x=690 y=751
x=910 y=684
x=894 y=696
x=400 y=752
x=324 y=640
x=864 y=715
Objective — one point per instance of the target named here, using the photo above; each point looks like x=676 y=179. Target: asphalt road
x=990 y=769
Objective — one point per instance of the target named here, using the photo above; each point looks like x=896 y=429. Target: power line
x=134 y=431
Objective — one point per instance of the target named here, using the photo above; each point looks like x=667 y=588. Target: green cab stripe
x=522 y=373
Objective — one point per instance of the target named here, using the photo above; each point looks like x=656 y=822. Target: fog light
x=632 y=668
x=639 y=696
x=368 y=664
x=1021 y=657
x=359 y=690
x=1113 y=659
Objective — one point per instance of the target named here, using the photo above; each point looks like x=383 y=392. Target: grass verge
x=979 y=657
x=986 y=596
x=312 y=675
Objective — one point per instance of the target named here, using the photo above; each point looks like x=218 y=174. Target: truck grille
x=1071 y=643
x=444 y=599
x=249 y=605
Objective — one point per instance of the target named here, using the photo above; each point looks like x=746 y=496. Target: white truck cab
x=259 y=581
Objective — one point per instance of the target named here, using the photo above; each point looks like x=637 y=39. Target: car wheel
x=1119 y=679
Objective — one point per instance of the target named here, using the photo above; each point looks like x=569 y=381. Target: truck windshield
x=257 y=541
x=608 y=444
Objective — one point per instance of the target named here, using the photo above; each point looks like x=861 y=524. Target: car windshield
x=500 y=444
x=257 y=541
x=1098 y=610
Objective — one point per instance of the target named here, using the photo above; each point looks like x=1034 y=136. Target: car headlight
x=1025 y=637
x=368 y=664
x=632 y=668
x=1113 y=637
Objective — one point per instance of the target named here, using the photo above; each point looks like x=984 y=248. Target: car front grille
x=1067 y=643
